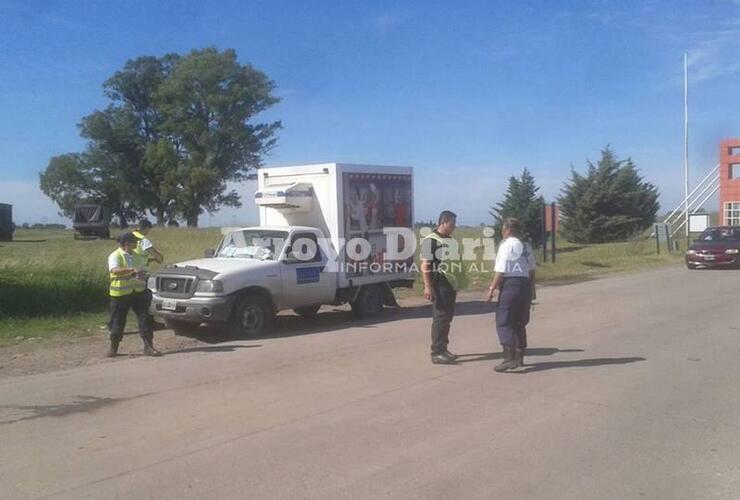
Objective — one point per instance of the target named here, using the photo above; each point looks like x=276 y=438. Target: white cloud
x=29 y=203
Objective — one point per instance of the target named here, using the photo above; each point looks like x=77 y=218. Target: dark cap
x=126 y=238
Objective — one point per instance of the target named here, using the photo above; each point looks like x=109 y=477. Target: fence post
x=552 y=227
x=544 y=230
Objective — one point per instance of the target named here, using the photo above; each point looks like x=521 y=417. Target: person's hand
x=428 y=293
x=490 y=294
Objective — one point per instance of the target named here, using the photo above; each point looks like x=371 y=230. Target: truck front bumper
x=193 y=309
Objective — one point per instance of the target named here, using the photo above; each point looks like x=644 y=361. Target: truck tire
x=369 y=301
x=181 y=328
x=252 y=316
x=307 y=311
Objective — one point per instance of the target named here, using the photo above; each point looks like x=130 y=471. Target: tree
x=73 y=178
x=206 y=104
x=176 y=131
x=521 y=201
x=611 y=202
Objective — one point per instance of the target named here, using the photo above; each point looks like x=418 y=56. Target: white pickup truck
x=298 y=258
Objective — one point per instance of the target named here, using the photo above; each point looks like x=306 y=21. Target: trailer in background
x=91 y=220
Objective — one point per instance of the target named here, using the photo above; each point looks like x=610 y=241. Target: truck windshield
x=252 y=244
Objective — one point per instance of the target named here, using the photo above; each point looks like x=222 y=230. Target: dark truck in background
x=91 y=220
x=6 y=222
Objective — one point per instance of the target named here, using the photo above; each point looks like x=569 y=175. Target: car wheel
x=252 y=317
x=307 y=311
x=369 y=302
x=181 y=328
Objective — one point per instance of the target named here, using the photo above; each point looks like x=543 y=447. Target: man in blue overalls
x=514 y=279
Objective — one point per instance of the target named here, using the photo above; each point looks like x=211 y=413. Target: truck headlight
x=209 y=286
x=731 y=251
x=151 y=283
x=691 y=252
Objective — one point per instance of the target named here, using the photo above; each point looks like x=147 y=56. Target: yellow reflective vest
x=120 y=286
x=452 y=269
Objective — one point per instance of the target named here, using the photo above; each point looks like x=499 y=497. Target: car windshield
x=252 y=244
x=721 y=234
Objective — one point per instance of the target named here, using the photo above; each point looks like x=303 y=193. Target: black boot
x=113 y=350
x=149 y=349
x=519 y=357
x=509 y=363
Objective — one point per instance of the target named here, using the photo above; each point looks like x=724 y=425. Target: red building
x=729 y=182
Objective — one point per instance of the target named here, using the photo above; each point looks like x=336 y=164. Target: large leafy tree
x=610 y=202
x=178 y=128
x=207 y=104
x=521 y=201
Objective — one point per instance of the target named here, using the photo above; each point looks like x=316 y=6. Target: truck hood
x=226 y=267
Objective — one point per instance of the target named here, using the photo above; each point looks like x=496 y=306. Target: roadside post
x=662 y=234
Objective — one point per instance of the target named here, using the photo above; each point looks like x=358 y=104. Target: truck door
x=303 y=273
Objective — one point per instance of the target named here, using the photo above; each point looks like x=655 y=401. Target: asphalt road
x=631 y=391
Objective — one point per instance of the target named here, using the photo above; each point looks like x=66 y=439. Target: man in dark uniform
x=514 y=279
x=440 y=284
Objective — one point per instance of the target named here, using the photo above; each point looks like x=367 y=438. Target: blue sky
x=468 y=93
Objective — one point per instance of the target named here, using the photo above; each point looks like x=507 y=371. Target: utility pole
x=686 y=142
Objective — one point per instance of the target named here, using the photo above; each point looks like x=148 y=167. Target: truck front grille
x=175 y=286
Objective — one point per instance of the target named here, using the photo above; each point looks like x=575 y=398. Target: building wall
x=729 y=189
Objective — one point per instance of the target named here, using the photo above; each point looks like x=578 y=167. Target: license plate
x=169 y=304
x=709 y=257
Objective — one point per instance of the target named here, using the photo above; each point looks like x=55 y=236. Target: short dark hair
x=446 y=216
x=144 y=224
x=513 y=225
x=126 y=238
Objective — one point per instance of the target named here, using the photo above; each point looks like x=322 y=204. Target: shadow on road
x=217 y=348
x=581 y=363
x=289 y=325
x=488 y=356
x=10 y=414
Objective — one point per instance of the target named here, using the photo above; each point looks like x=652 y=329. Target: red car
x=716 y=247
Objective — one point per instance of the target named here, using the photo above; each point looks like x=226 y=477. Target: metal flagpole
x=686 y=142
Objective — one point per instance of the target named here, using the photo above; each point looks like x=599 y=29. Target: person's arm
x=495 y=285
x=499 y=269
x=118 y=270
x=122 y=271
x=427 y=268
x=152 y=253
x=426 y=274
x=532 y=287
x=155 y=255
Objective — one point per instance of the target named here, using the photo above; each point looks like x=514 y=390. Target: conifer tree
x=611 y=202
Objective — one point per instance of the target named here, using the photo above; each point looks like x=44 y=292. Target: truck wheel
x=252 y=317
x=184 y=328
x=307 y=311
x=369 y=302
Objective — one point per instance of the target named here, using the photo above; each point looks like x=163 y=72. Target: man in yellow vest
x=128 y=291
x=441 y=268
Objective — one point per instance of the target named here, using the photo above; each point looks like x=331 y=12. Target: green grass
x=51 y=284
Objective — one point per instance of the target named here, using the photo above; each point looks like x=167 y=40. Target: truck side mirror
x=209 y=253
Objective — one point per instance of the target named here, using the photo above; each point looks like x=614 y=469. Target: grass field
x=51 y=284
